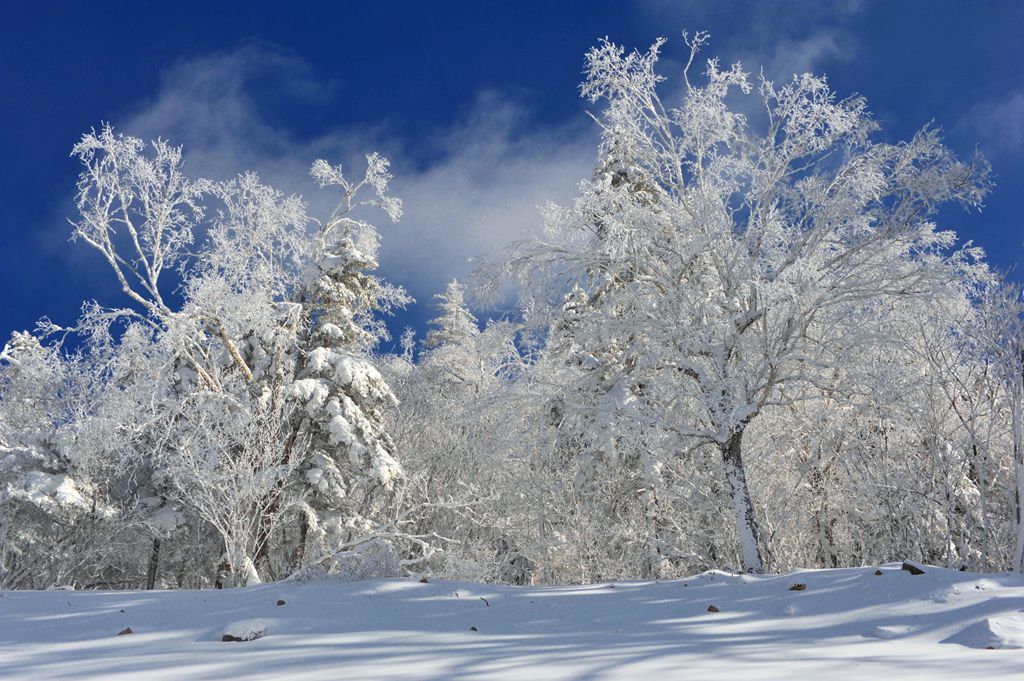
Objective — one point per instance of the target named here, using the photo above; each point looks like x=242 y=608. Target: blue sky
x=475 y=102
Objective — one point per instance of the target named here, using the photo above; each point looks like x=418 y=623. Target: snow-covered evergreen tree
x=455 y=324
x=349 y=459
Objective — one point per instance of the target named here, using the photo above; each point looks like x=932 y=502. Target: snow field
x=846 y=624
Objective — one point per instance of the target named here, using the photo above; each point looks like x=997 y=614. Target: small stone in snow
x=473 y=629
x=281 y=601
x=424 y=580
x=125 y=631
x=799 y=586
x=912 y=569
x=878 y=573
x=712 y=608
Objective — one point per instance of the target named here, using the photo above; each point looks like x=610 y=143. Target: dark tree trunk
x=154 y=565
x=823 y=520
x=300 y=550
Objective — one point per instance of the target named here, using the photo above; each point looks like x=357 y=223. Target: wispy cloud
x=998 y=124
x=812 y=54
x=782 y=38
x=485 y=175
x=485 y=191
x=469 y=189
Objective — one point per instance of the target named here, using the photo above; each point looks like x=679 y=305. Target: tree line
x=746 y=344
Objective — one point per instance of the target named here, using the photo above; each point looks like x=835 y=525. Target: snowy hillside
x=846 y=624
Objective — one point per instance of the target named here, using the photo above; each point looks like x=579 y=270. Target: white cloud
x=488 y=173
x=484 y=193
x=806 y=55
x=999 y=124
x=784 y=38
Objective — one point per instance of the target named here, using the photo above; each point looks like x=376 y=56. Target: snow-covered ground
x=846 y=624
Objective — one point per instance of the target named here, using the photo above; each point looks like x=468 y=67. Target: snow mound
x=891 y=631
x=245 y=630
x=994 y=633
x=1008 y=632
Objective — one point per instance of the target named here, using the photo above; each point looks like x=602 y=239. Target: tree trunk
x=300 y=549
x=241 y=569
x=1018 y=464
x=1017 y=430
x=746 y=524
x=823 y=521
x=655 y=563
x=1018 y=554
x=154 y=563
x=264 y=526
x=660 y=540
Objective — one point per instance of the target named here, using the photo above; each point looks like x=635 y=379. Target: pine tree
x=455 y=323
x=348 y=457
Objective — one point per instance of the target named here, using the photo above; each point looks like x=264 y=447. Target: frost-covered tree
x=719 y=254
x=1002 y=337
x=41 y=498
x=238 y=387
x=60 y=524
x=455 y=324
x=459 y=423
x=339 y=393
x=745 y=344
